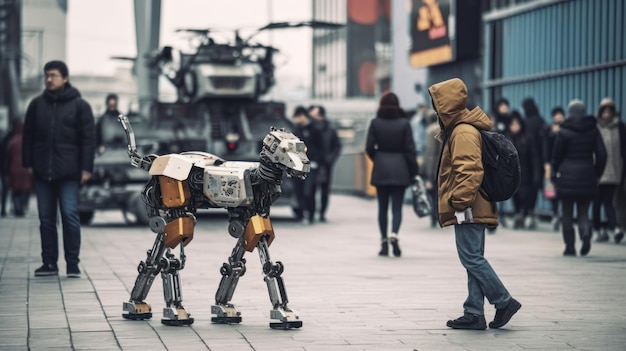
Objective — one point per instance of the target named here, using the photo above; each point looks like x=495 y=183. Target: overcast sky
x=99 y=29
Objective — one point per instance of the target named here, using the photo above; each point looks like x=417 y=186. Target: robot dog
x=181 y=184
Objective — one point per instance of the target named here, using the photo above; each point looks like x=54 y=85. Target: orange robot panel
x=258 y=227
x=177 y=231
x=175 y=193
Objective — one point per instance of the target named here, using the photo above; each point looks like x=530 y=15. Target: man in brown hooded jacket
x=462 y=205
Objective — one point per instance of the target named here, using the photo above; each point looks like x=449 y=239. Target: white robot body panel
x=174 y=166
x=229 y=185
x=177 y=166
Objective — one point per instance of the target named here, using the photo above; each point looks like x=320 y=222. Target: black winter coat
x=579 y=158
x=331 y=143
x=312 y=138
x=391 y=147
x=530 y=159
x=59 y=135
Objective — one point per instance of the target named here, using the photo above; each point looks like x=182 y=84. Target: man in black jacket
x=58 y=147
x=331 y=151
x=305 y=190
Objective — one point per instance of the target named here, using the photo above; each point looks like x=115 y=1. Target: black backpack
x=502 y=171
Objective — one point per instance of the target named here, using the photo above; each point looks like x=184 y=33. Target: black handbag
x=421 y=201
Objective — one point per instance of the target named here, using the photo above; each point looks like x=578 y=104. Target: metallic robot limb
x=174 y=313
x=136 y=307
x=288 y=318
x=227 y=313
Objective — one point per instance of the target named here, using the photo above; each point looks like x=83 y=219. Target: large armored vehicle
x=219 y=109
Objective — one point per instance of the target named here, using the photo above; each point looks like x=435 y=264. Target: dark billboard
x=430 y=32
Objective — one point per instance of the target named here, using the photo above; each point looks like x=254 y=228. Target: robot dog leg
x=276 y=287
x=174 y=313
x=160 y=259
x=137 y=308
x=258 y=233
x=227 y=313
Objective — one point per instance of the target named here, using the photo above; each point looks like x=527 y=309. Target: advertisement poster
x=430 y=32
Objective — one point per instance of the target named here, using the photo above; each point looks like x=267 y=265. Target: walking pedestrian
x=391 y=147
x=501 y=115
x=305 y=189
x=108 y=131
x=578 y=161
x=20 y=180
x=58 y=148
x=620 y=210
x=530 y=161
x=461 y=204
x=558 y=115
x=613 y=135
x=331 y=151
x=432 y=150
x=535 y=127
x=4 y=179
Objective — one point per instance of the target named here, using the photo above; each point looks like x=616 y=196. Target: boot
x=384 y=249
x=395 y=245
x=619 y=235
x=569 y=239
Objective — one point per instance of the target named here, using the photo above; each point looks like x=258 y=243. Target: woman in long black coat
x=578 y=160
x=391 y=147
x=530 y=163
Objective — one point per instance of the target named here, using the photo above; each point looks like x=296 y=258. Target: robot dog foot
x=288 y=319
x=176 y=316
x=137 y=311
x=225 y=314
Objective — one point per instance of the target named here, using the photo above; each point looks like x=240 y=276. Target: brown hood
x=450 y=101
x=606 y=102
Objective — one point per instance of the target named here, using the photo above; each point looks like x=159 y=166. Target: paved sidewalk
x=347 y=296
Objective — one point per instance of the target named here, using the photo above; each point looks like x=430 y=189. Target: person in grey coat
x=391 y=147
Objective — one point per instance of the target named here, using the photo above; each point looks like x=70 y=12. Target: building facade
x=354 y=61
x=555 y=51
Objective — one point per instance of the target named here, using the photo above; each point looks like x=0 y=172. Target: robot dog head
x=287 y=152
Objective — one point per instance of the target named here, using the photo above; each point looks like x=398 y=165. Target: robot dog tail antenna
x=136 y=159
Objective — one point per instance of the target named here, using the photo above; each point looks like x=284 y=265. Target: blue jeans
x=65 y=194
x=482 y=280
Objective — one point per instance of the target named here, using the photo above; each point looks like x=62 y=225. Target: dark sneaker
x=468 y=321
x=73 y=271
x=584 y=250
x=395 y=247
x=618 y=237
x=504 y=315
x=46 y=270
x=569 y=251
x=384 y=248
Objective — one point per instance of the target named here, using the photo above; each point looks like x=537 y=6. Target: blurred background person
x=304 y=190
x=108 y=130
x=530 y=161
x=4 y=180
x=558 y=115
x=418 y=127
x=612 y=132
x=535 y=127
x=428 y=169
x=20 y=180
x=390 y=146
x=578 y=161
x=331 y=150
x=501 y=115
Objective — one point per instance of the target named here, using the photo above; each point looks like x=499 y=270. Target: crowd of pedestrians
x=577 y=160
